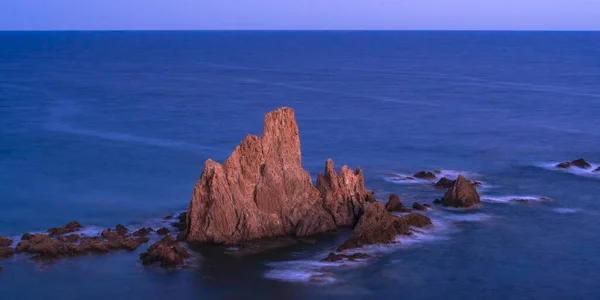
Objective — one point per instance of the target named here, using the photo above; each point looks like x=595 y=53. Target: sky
x=300 y=14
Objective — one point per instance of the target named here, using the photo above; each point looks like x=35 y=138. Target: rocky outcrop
x=163 y=231
x=332 y=257
x=579 y=163
x=421 y=207
x=50 y=246
x=262 y=191
x=5 y=242
x=144 y=231
x=424 y=175
x=446 y=183
x=167 y=252
x=462 y=194
x=343 y=195
x=6 y=252
x=377 y=226
x=71 y=227
x=394 y=204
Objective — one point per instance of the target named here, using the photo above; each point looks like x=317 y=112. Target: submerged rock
x=262 y=191
x=580 y=163
x=394 y=204
x=461 y=194
x=332 y=257
x=377 y=226
x=424 y=175
x=167 y=252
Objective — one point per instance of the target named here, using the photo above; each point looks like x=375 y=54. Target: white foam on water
x=406 y=179
x=513 y=199
x=315 y=271
x=573 y=170
x=302 y=271
x=470 y=217
x=565 y=210
x=401 y=178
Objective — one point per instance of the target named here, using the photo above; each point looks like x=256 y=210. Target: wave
x=573 y=170
x=513 y=199
x=312 y=270
x=401 y=178
x=123 y=137
x=565 y=210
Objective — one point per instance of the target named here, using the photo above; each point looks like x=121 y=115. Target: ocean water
x=114 y=127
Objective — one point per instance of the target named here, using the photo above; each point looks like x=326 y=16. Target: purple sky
x=300 y=14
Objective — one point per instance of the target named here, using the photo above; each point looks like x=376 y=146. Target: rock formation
x=377 y=226
x=424 y=175
x=6 y=252
x=446 y=183
x=5 y=242
x=52 y=246
x=419 y=206
x=461 y=194
x=262 y=191
x=394 y=204
x=580 y=163
x=167 y=252
x=332 y=257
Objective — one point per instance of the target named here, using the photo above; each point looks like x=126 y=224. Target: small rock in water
x=597 y=169
x=394 y=204
x=580 y=163
x=6 y=252
x=163 y=231
x=121 y=230
x=419 y=206
x=445 y=183
x=462 y=194
x=332 y=257
x=5 y=242
x=437 y=201
x=378 y=226
x=424 y=175
x=144 y=231
x=167 y=252
x=26 y=236
x=168 y=218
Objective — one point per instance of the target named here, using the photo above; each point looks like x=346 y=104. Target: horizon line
x=300 y=30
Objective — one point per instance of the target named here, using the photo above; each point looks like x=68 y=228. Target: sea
x=114 y=127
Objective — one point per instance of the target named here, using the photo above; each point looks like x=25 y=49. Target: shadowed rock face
x=262 y=191
x=394 y=204
x=461 y=194
x=377 y=226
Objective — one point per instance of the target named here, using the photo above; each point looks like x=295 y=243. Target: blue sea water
x=114 y=127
